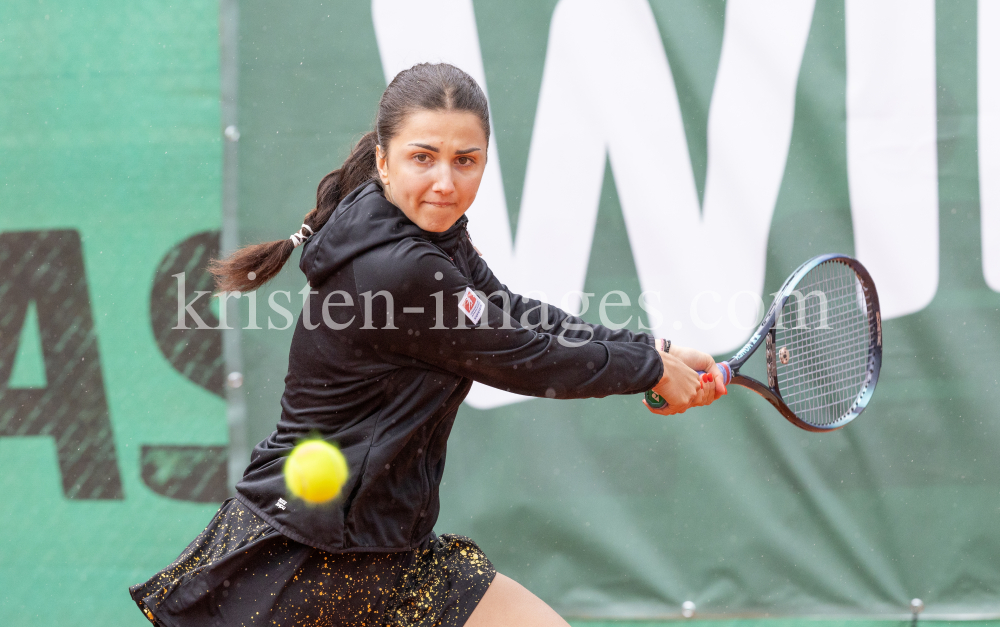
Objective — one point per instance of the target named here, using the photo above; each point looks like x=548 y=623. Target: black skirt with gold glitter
x=241 y=571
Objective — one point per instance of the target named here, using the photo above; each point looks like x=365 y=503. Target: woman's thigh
x=507 y=602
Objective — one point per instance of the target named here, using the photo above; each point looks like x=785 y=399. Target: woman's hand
x=681 y=386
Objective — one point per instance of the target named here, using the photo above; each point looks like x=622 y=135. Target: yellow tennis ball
x=315 y=471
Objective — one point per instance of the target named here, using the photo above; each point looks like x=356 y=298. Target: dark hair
x=425 y=86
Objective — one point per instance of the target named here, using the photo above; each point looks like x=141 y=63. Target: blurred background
x=138 y=140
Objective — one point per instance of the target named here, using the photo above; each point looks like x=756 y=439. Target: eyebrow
x=433 y=149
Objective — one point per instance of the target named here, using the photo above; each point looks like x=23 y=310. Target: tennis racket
x=822 y=339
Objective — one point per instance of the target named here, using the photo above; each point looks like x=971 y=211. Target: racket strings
x=806 y=346
x=827 y=376
x=828 y=364
x=810 y=351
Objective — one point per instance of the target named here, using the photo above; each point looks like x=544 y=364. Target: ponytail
x=252 y=266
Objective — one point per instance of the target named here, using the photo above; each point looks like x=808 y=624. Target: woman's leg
x=507 y=602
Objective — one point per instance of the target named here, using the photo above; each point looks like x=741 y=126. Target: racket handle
x=656 y=401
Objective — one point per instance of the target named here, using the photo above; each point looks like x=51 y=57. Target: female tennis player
x=383 y=354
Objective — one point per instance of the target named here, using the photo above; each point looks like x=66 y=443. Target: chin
x=437 y=227
x=439 y=222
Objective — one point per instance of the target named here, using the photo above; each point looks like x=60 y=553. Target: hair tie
x=298 y=238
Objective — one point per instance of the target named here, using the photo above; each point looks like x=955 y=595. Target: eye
x=463 y=160
x=422 y=157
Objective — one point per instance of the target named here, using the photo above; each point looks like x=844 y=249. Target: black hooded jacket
x=384 y=380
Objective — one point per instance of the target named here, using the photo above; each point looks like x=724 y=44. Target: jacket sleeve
x=428 y=325
x=535 y=314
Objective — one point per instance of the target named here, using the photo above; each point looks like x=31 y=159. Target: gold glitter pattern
x=232 y=528
x=442 y=586
x=241 y=571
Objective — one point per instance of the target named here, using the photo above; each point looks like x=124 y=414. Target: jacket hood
x=363 y=221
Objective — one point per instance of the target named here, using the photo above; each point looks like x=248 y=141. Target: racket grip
x=656 y=401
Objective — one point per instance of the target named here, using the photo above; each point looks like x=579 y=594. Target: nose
x=443 y=182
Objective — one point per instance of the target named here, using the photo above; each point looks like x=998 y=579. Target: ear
x=381 y=162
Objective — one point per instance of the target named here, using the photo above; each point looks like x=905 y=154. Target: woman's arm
x=429 y=326
x=535 y=314
x=679 y=383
